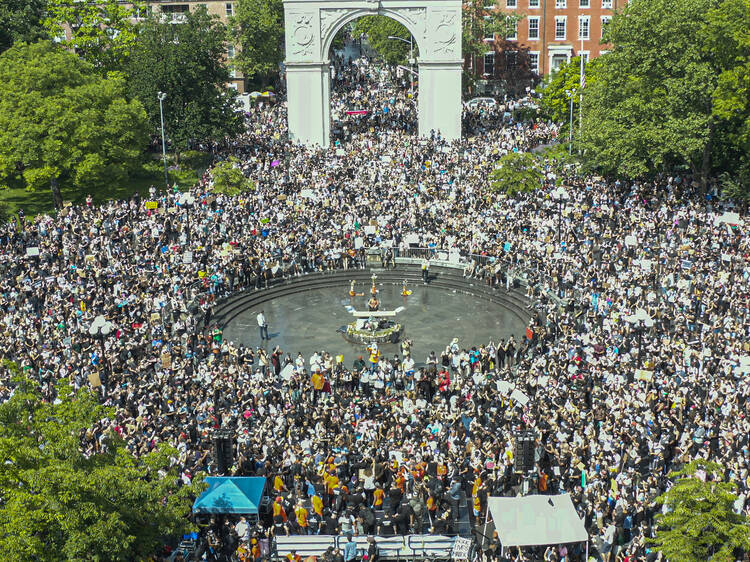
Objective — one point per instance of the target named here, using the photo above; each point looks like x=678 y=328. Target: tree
x=258 y=28
x=228 y=179
x=727 y=36
x=378 y=29
x=555 y=103
x=185 y=62
x=516 y=172
x=700 y=523
x=102 y=32
x=63 y=499
x=478 y=23
x=652 y=107
x=21 y=21
x=61 y=120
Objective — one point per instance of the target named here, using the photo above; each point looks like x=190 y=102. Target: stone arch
x=310 y=28
x=329 y=30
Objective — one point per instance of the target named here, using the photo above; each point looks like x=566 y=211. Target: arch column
x=440 y=98
x=309 y=102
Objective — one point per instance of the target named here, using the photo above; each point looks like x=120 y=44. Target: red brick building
x=553 y=31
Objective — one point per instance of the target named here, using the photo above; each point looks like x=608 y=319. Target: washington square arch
x=311 y=26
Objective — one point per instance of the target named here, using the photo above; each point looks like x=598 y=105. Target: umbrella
x=255 y=94
x=268 y=94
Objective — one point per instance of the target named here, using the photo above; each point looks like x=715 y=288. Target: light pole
x=101 y=328
x=162 y=96
x=571 y=94
x=187 y=200
x=559 y=195
x=642 y=320
x=411 y=59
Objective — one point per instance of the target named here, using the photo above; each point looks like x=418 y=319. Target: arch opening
x=373 y=64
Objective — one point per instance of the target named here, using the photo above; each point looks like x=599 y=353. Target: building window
x=584 y=27
x=489 y=64
x=511 y=3
x=230 y=9
x=561 y=4
x=605 y=23
x=607 y=4
x=534 y=61
x=560 y=27
x=585 y=4
x=511 y=28
x=533 y=27
x=585 y=56
x=557 y=61
x=230 y=52
x=533 y=3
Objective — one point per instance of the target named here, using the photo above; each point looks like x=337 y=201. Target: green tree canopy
x=61 y=120
x=700 y=523
x=185 y=61
x=652 y=107
x=21 y=21
x=65 y=498
x=517 y=172
x=102 y=32
x=258 y=28
x=378 y=29
x=228 y=179
x=555 y=103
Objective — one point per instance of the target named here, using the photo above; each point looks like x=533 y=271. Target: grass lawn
x=40 y=201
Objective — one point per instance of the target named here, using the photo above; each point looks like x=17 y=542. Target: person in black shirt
x=331 y=523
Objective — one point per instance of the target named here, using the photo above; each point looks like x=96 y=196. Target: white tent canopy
x=532 y=520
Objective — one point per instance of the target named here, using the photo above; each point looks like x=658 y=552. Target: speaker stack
x=523 y=460
x=223 y=450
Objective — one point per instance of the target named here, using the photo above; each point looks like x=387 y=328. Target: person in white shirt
x=262 y=326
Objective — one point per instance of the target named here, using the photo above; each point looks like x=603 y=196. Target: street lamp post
x=187 y=200
x=101 y=328
x=560 y=195
x=162 y=96
x=571 y=94
x=411 y=59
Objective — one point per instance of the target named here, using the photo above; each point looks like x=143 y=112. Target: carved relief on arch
x=417 y=17
x=329 y=17
x=445 y=29
x=302 y=34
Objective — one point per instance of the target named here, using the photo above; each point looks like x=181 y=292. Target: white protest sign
x=33 y=251
x=504 y=387
x=519 y=397
x=287 y=372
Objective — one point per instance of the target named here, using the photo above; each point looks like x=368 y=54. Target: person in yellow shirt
x=477 y=483
x=301 y=514
x=378 y=496
x=293 y=557
x=317 y=505
x=318 y=381
x=374 y=356
x=278 y=509
x=278 y=484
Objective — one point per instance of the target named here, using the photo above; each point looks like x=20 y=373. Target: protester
x=615 y=405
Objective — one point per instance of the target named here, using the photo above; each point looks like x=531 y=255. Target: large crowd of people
x=615 y=404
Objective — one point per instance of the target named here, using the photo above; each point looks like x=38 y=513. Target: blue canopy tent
x=227 y=494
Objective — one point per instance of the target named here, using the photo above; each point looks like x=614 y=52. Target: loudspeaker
x=223 y=450
x=523 y=459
